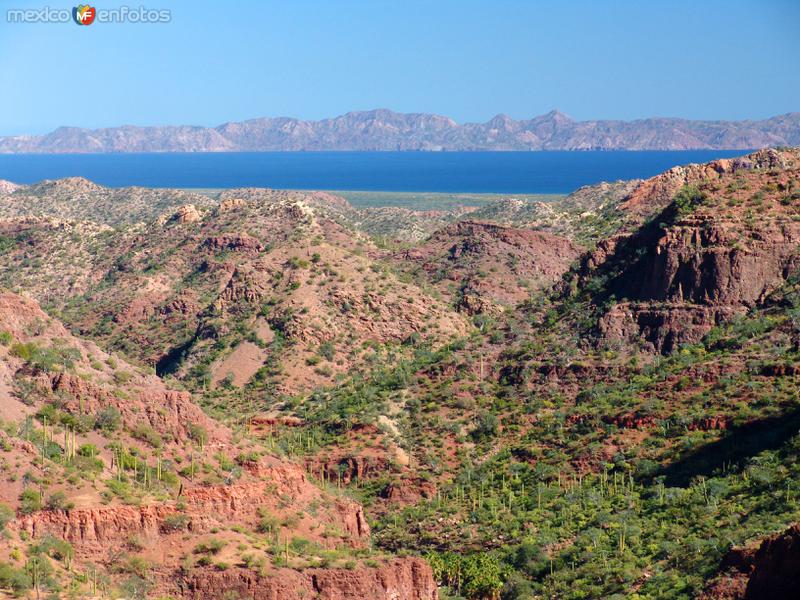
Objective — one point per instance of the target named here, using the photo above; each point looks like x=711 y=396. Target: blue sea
x=466 y=172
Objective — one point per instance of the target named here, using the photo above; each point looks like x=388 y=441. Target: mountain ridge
x=386 y=130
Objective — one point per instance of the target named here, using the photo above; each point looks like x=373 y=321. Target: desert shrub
x=173 y=523
x=6 y=514
x=45 y=359
x=245 y=458
x=16 y=580
x=58 y=501
x=486 y=426
x=267 y=522
x=297 y=263
x=149 y=435
x=198 y=434
x=210 y=546
x=54 y=547
x=108 y=419
x=327 y=350
x=478 y=576
x=122 y=377
x=88 y=450
x=30 y=501
x=136 y=587
x=687 y=199
x=530 y=559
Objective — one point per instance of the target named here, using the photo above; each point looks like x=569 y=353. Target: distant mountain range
x=386 y=130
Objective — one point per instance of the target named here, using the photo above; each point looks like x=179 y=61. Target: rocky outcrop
x=7 y=187
x=718 y=423
x=664 y=326
x=630 y=421
x=93 y=529
x=655 y=194
x=245 y=285
x=349 y=468
x=401 y=579
x=408 y=491
x=704 y=261
x=691 y=268
x=187 y=213
x=235 y=243
x=204 y=508
x=770 y=570
x=231 y=204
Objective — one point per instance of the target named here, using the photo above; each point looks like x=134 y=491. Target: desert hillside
x=274 y=394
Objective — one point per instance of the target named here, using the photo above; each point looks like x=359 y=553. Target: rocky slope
x=585 y=216
x=481 y=267
x=181 y=292
x=78 y=199
x=386 y=130
x=92 y=450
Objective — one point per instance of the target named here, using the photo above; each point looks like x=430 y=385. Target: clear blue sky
x=220 y=61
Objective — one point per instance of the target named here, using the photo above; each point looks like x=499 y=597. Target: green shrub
x=148 y=434
x=176 y=522
x=198 y=434
x=210 y=546
x=45 y=359
x=687 y=199
x=6 y=514
x=16 y=580
x=108 y=419
x=30 y=501
x=58 y=501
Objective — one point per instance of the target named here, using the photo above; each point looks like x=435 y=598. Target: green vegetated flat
x=424 y=201
x=421 y=201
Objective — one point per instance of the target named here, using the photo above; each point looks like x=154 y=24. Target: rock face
x=681 y=274
x=235 y=243
x=204 y=508
x=401 y=579
x=386 y=130
x=187 y=213
x=772 y=570
x=701 y=261
x=664 y=327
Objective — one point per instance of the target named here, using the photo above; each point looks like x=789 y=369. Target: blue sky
x=221 y=61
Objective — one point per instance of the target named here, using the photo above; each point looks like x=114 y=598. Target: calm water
x=469 y=172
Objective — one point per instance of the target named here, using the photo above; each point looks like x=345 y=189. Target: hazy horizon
x=466 y=60
x=331 y=117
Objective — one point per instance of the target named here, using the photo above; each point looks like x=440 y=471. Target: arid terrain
x=264 y=394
